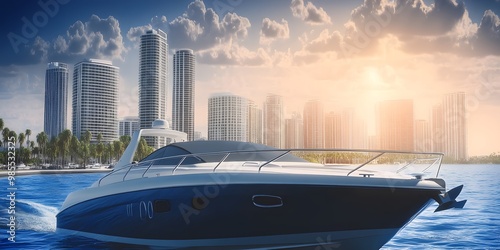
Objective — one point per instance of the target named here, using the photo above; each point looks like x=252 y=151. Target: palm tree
x=31 y=147
x=12 y=134
x=27 y=133
x=21 y=139
x=100 y=147
x=52 y=149
x=108 y=152
x=1 y=128
x=42 y=140
x=85 y=147
x=74 y=148
x=125 y=139
x=5 y=134
x=63 y=144
x=143 y=150
x=117 y=149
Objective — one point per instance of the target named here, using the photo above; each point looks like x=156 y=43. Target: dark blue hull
x=247 y=211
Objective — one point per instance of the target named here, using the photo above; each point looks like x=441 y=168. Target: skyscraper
x=95 y=99
x=423 y=140
x=128 y=126
x=396 y=125
x=254 y=123
x=294 y=131
x=314 y=125
x=227 y=117
x=153 y=56
x=56 y=99
x=437 y=128
x=333 y=130
x=274 y=121
x=347 y=123
x=455 y=126
x=183 y=92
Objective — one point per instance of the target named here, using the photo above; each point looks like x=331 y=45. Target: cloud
x=326 y=41
x=488 y=35
x=442 y=27
x=309 y=13
x=272 y=30
x=198 y=28
x=234 y=54
x=96 y=38
x=407 y=19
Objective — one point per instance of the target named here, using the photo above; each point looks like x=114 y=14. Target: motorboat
x=241 y=195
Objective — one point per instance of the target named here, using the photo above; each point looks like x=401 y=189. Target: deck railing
x=356 y=159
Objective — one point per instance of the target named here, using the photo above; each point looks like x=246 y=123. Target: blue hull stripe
x=229 y=212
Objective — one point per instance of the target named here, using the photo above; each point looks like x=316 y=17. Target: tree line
x=66 y=148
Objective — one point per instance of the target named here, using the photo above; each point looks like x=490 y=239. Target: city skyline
x=253 y=48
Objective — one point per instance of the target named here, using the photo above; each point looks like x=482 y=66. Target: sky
x=348 y=54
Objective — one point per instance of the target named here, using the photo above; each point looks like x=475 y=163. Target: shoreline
x=4 y=173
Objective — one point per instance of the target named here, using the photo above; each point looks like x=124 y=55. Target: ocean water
x=477 y=226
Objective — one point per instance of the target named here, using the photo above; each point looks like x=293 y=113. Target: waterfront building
x=227 y=117
x=423 y=139
x=455 y=126
x=314 y=125
x=396 y=125
x=333 y=130
x=183 y=92
x=95 y=99
x=437 y=130
x=153 y=57
x=254 y=123
x=274 y=121
x=56 y=99
x=294 y=131
x=128 y=126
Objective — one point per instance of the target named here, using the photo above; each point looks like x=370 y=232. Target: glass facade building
x=56 y=99
x=183 y=92
x=153 y=57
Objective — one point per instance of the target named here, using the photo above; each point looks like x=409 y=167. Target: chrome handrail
x=285 y=152
x=362 y=165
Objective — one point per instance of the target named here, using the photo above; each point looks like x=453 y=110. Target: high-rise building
x=183 y=92
x=128 y=126
x=373 y=142
x=227 y=117
x=423 y=139
x=153 y=57
x=333 y=130
x=314 y=125
x=294 y=131
x=198 y=136
x=437 y=129
x=455 y=126
x=254 y=124
x=347 y=122
x=95 y=99
x=56 y=98
x=274 y=121
x=396 y=125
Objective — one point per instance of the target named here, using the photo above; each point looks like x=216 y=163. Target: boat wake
x=29 y=215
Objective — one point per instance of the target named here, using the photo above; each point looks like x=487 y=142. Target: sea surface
x=477 y=226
